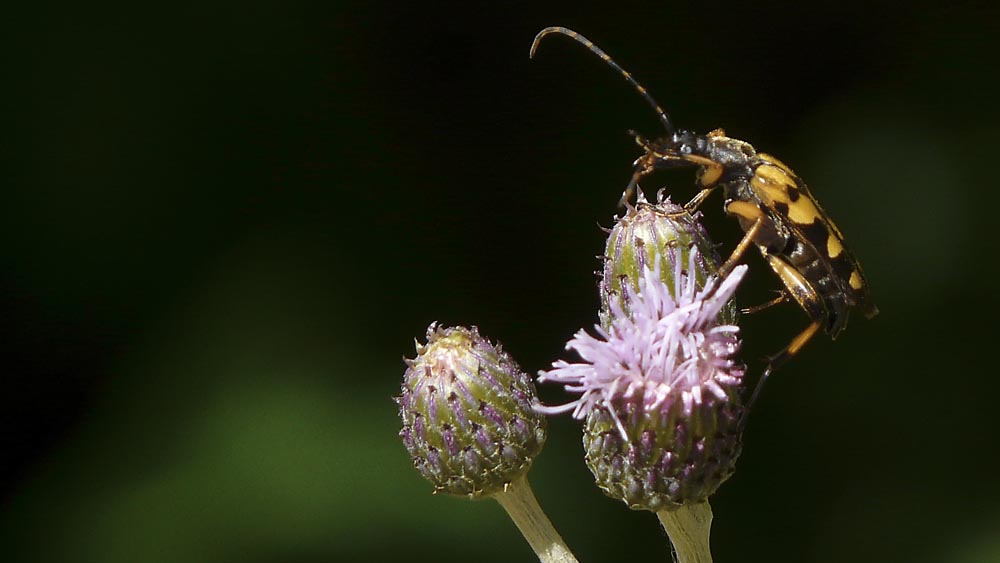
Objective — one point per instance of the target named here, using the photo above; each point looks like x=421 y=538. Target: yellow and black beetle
x=774 y=208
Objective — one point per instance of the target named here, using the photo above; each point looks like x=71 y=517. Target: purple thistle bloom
x=669 y=348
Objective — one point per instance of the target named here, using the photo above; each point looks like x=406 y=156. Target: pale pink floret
x=672 y=347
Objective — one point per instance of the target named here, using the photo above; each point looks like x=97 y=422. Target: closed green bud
x=649 y=230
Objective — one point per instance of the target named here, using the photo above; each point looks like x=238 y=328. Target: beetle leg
x=787 y=353
x=641 y=168
x=697 y=200
x=781 y=298
x=748 y=211
x=639 y=139
x=630 y=189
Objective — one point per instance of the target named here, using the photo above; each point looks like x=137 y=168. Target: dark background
x=223 y=225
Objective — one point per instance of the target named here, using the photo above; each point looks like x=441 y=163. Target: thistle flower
x=467 y=411
x=659 y=383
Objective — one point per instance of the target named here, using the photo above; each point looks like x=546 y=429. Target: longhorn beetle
x=775 y=209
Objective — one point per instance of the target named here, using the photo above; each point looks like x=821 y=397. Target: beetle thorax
x=730 y=153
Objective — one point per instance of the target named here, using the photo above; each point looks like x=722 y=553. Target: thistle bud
x=467 y=410
x=666 y=230
x=660 y=384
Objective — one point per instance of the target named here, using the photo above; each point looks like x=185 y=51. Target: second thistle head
x=659 y=385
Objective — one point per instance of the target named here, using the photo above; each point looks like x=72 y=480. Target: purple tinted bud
x=467 y=411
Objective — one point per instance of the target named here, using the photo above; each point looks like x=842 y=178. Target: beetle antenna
x=664 y=119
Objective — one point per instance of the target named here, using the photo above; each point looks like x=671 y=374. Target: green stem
x=522 y=507
x=689 y=527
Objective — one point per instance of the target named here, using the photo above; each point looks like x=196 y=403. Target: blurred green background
x=223 y=224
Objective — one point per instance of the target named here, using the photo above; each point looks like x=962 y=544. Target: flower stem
x=689 y=527
x=522 y=507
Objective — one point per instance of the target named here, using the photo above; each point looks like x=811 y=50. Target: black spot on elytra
x=817 y=234
x=793 y=193
x=781 y=207
x=843 y=266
